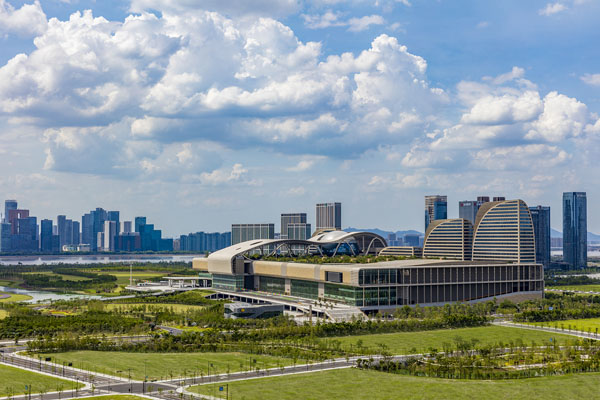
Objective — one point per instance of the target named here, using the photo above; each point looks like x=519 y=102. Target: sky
x=200 y=114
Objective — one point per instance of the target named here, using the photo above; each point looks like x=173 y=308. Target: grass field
x=176 y=307
x=13 y=381
x=123 y=277
x=3 y=314
x=407 y=342
x=354 y=384
x=14 y=297
x=582 y=288
x=576 y=324
x=161 y=365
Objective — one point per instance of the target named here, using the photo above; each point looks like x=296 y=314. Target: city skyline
x=360 y=102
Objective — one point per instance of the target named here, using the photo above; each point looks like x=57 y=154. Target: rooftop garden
x=338 y=259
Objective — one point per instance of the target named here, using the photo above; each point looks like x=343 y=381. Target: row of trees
x=496 y=362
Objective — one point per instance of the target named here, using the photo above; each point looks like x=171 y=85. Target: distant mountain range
x=383 y=233
x=592 y=237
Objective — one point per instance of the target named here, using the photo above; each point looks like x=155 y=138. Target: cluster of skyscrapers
x=99 y=231
x=506 y=228
x=294 y=226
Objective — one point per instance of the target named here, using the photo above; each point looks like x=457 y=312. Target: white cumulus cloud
x=29 y=20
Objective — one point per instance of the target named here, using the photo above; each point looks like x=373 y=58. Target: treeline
x=571 y=280
x=191 y=297
x=96 y=281
x=557 y=307
x=26 y=322
x=496 y=362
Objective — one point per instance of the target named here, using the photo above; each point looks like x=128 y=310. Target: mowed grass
x=581 y=288
x=586 y=324
x=162 y=365
x=123 y=277
x=355 y=384
x=152 y=306
x=13 y=297
x=408 y=342
x=13 y=381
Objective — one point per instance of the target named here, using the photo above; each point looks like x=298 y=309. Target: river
x=37 y=295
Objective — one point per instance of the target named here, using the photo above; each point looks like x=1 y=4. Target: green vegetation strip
x=158 y=366
x=13 y=381
x=409 y=342
x=581 y=288
x=351 y=384
x=14 y=297
x=591 y=325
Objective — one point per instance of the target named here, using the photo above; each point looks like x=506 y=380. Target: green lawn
x=123 y=277
x=161 y=365
x=13 y=381
x=14 y=297
x=582 y=288
x=354 y=384
x=3 y=314
x=576 y=324
x=406 y=342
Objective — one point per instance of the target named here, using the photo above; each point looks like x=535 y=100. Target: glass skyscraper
x=436 y=207
x=540 y=216
x=575 y=229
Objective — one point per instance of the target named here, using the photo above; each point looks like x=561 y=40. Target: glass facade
x=307 y=289
x=271 y=285
x=228 y=282
x=575 y=229
x=541 y=227
x=244 y=232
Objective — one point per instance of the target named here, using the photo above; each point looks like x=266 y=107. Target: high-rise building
x=150 y=238
x=26 y=237
x=9 y=205
x=126 y=227
x=62 y=222
x=436 y=207
x=76 y=238
x=575 y=229
x=483 y=199
x=411 y=239
x=13 y=216
x=46 y=235
x=290 y=218
x=329 y=216
x=468 y=210
x=204 y=241
x=503 y=231
x=98 y=217
x=114 y=216
x=5 y=235
x=449 y=239
x=244 y=232
x=110 y=233
x=540 y=217
x=87 y=229
x=298 y=231
x=499 y=198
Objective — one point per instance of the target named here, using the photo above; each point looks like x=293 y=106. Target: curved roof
x=222 y=260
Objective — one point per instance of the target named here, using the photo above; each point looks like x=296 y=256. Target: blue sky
x=200 y=116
